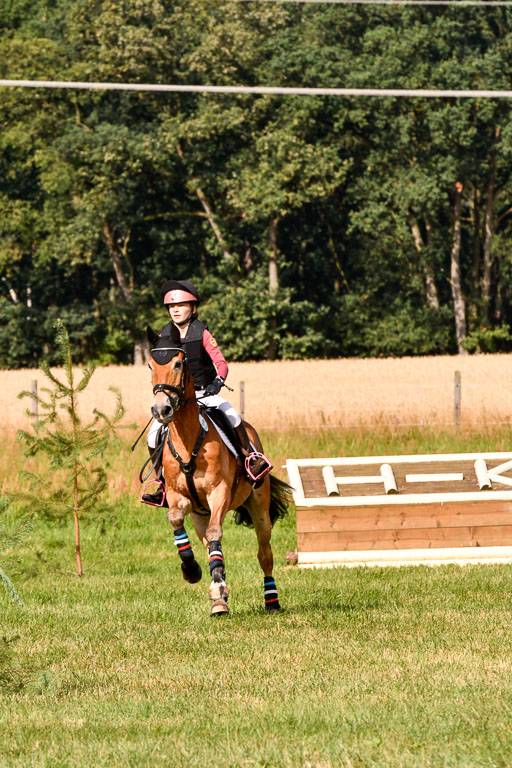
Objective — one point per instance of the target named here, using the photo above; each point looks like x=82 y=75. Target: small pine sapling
x=8 y=540
x=74 y=449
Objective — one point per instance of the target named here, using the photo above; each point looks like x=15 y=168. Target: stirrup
x=267 y=466
x=153 y=503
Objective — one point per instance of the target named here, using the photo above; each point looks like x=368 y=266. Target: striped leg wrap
x=183 y=544
x=215 y=556
x=271 y=599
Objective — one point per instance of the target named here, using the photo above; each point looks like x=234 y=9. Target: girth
x=189 y=467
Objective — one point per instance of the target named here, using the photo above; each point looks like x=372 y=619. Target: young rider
x=207 y=366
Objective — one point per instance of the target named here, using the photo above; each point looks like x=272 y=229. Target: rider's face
x=180 y=312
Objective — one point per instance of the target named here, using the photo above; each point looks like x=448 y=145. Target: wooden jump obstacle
x=398 y=510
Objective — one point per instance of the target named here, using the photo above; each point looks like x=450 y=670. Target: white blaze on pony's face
x=168 y=380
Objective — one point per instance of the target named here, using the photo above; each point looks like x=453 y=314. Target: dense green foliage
x=9 y=539
x=313 y=226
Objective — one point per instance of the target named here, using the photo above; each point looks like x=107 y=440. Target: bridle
x=187 y=467
x=178 y=391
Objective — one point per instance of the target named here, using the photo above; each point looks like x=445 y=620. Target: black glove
x=214 y=387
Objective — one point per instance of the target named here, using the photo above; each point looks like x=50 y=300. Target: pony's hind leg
x=258 y=506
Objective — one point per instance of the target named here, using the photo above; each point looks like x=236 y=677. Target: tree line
x=313 y=226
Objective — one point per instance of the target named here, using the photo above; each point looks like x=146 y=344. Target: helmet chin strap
x=183 y=322
x=186 y=321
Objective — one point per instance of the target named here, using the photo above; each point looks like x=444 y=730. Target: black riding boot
x=256 y=464
x=156 y=498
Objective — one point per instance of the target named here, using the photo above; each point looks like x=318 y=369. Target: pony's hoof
x=193 y=574
x=219 y=608
x=218 y=591
x=272 y=607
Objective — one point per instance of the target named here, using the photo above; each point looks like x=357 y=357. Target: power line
x=474 y=3
x=259 y=90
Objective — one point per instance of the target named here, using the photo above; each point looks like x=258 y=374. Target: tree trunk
x=208 y=211
x=488 y=232
x=74 y=423
x=476 y=246
x=76 y=520
x=247 y=258
x=117 y=256
x=141 y=351
x=458 y=298
x=428 y=272
x=273 y=278
x=12 y=292
x=273 y=284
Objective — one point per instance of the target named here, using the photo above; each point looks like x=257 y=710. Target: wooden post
x=456 y=399
x=35 y=406
x=241 y=410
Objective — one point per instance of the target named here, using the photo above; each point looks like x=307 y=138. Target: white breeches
x=212 y=401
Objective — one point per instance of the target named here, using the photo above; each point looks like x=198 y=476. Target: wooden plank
x=331 y=486
x=431 y=477
x=498 y=479
x=415 y=458
x=398 y=557
x=500 y=468
x=388 y=476
x=482 y=475
x=343 y=480
x=406 y=500
x=392 y=517
x=406 y=539
x=314 y=485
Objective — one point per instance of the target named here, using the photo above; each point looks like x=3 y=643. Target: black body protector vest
x=199 y=362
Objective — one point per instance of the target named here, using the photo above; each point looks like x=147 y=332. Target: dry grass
x=316 y=393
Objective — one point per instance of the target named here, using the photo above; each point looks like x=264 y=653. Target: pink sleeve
x=215 y=354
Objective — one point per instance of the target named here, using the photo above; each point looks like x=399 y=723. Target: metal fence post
x=35 y=405
x=241 y=409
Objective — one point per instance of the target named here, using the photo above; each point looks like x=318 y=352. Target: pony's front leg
x=218 y=588
x=190 y=568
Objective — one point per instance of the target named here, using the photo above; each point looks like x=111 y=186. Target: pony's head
x=168 y=376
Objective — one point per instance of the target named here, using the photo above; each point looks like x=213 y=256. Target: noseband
x=179 y=391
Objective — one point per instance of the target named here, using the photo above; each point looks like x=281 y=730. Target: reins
x=139 y=437
x=155 y=457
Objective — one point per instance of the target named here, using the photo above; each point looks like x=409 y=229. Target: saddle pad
x=217 y=419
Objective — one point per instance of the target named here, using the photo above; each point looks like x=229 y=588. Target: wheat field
x=308 y=394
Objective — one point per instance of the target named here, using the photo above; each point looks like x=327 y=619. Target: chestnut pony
x=203 y=479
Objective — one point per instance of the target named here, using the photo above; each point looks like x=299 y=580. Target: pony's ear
x=152 y=335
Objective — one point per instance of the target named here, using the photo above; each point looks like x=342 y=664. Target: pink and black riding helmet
x=176 y=291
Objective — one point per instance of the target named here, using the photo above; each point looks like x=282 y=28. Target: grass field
x=364 y=667
x=314 y=393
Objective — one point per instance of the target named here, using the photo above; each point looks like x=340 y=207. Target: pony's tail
x=280 y=498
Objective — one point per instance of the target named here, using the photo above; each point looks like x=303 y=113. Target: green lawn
x=402 y=666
